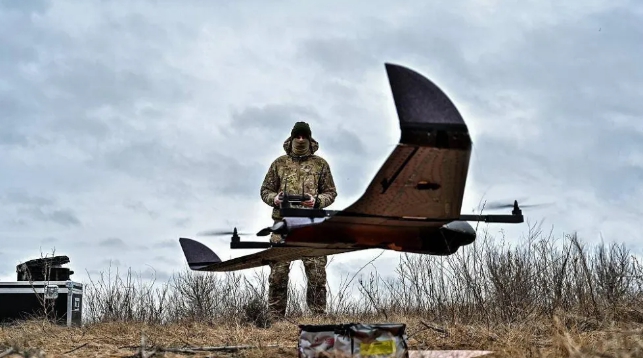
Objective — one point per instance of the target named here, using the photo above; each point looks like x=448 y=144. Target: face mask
x=300 y=147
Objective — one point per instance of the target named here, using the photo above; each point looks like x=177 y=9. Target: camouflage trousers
x=315 y=270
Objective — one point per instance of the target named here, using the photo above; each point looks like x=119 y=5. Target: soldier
x=298 y=167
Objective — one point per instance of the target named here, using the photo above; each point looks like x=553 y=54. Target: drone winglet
x=198 y=255
x=420 y=104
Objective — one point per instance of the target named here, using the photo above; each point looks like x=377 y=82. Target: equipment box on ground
x=58 y=300
x=387 y=340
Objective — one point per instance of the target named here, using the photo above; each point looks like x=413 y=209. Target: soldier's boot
x=315 y=268
x=278 y=290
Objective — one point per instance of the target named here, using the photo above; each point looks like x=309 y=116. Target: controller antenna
x=318 y=188
x=285 y=203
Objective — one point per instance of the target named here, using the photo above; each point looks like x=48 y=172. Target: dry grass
x=543 y=298
x=527 y=339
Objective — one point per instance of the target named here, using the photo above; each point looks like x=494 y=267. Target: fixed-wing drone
x=411 y=205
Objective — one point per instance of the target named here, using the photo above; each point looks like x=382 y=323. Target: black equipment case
x=43 y=290
x=23 y=300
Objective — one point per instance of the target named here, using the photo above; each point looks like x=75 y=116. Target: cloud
x=161 y=258
x=36 y=208
x=110 y=263
x=173 y=244
x=139 y=206
x=271 y=117
x=37 y=6
x=153 y=274
x=181 y=222
x=112 y=242
x=49 y=240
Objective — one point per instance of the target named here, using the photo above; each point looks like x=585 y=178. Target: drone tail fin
x=198 y=255
x=420 y=104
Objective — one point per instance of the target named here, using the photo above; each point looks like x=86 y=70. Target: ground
x=570 y=337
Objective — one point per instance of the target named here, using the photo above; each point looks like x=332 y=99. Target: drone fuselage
x=416 y=236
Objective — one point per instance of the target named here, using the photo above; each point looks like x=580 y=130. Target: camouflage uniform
x=291 y=172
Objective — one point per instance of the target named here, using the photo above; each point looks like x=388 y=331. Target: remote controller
x=296 y=198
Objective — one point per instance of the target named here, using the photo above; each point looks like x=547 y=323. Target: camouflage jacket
x=291 y=172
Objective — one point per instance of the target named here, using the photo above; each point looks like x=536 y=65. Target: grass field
x=546 y=297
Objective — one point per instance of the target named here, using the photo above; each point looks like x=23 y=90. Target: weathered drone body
x=412 y=204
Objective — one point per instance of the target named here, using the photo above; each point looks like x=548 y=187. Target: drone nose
x=277 y=228
x=458 y=233
x=460 y=227
x=264 y=232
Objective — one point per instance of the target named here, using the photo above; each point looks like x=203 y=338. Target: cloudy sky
x=126 y=125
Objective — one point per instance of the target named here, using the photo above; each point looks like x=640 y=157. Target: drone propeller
x=502 y=205
x=222 y=233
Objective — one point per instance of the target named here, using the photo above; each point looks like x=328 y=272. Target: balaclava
x=301 y=148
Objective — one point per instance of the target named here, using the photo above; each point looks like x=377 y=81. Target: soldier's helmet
x=301 y=129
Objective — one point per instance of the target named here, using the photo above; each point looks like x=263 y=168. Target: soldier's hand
x=309 y=203
x=277 y=201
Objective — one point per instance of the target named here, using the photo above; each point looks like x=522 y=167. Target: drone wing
x=201 y=258
x=424 y=178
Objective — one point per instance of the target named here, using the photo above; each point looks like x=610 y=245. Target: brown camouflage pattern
x=292 y=172
x=295 y=172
